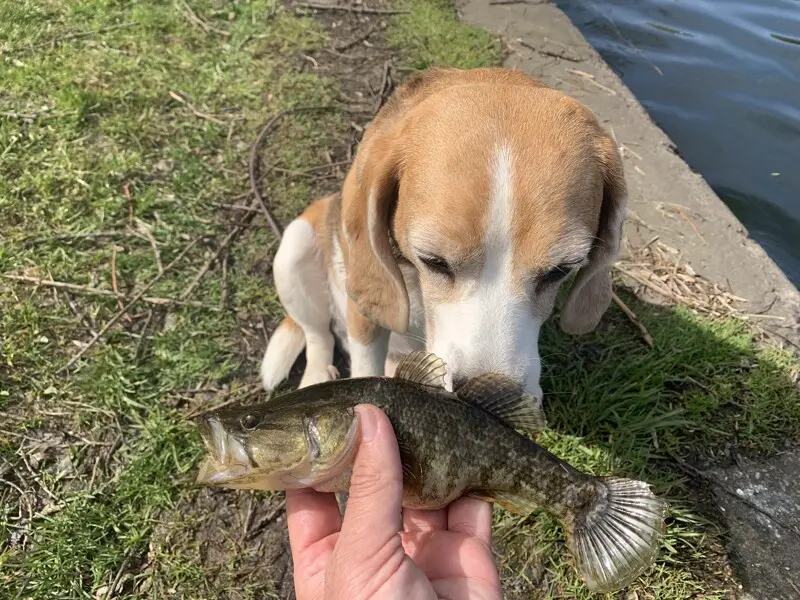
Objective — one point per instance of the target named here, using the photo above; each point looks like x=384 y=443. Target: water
x=722 y=79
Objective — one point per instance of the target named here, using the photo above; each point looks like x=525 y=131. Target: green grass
x=143 y=112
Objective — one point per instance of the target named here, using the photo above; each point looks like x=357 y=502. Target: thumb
x=374 y=507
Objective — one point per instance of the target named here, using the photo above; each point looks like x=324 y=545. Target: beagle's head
x=487 y=189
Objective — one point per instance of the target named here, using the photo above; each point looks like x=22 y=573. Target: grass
x=145 y=112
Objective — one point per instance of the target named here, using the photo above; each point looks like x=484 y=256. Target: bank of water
x=722 y=79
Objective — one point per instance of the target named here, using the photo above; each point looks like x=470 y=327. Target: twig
x=82 y=289
x=253 y=164
x=384 y=83
x=125 y=309
x=648 y=339
x=264 y=331
x=359 y=10
x=114 y=274
x=358 y=40
x=656 y=288
x=89 y=235
x=192 y=16
x=266 y=520
x=80 y=34
x=143 y=335
x=230 y=397
x=237 y=207
x=126 y=190
x=223 y=299
x=691 y=470
x=201 y=115
x=590 y=78
x=207 y=266
x=120 y=572
x=156 y=254
x=551 y=53
x=87 y=322
x=679 y=210
x=248 y=518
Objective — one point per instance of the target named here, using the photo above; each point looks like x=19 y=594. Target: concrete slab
x=761 y=503
x=666 y=198
x=670 y=201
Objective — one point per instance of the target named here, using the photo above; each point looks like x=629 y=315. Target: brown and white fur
x=472 y=195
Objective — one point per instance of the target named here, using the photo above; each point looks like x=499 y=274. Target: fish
x=475 y=441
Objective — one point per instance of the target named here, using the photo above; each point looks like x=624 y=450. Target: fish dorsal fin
x=422 y=367
x=505 y=399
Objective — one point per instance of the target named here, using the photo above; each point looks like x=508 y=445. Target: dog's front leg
x=368 y=344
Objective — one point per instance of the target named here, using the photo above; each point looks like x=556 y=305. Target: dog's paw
x=314 y=376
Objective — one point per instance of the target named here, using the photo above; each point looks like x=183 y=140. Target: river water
x=722 y=79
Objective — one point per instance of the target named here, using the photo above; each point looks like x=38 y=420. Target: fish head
x=276 y=449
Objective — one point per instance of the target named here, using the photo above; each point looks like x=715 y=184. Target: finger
x=373 y=513
x=448 y=554
x=311 y=516
x=472 y=517
x=424 y=520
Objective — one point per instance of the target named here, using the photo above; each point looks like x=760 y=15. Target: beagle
x=474 y=193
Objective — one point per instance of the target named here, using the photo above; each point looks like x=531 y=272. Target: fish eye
x=249 y=422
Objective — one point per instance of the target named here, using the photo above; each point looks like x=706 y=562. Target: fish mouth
x=227 y=460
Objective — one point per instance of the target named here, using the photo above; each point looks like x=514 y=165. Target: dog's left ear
x=590 y=293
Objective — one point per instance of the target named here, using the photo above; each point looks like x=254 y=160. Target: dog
x=473 y=195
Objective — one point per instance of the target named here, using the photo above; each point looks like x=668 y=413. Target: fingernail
x=369 y=422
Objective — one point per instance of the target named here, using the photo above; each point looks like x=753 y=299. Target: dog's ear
x=590 y=293
x=369 y=195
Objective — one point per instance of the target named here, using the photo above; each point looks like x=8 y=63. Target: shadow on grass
x=704 y=394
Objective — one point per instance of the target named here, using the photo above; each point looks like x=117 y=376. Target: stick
x=223 y=299
x=114 y=274
x=120 y=572
x=143 y=335
x=89 y=235
x=125 y=309
x=72 y=36
x=359 y=10
x=126 y=190
x=253 y=164
x=648 y=339
x=201 y=115
x=590 y=78
x=384 y=82
x=206 y=267
x=358 y=40
x=89 y=291
x=679 y=210
x=200 y=22
x=552 y=53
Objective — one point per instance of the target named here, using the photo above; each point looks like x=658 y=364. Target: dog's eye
x=555 y=274
x=249 y=422
x=437 y=264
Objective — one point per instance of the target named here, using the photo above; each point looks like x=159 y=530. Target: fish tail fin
x=619 y=535
x=285 y=345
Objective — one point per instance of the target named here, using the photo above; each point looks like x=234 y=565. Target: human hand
x=381 y=551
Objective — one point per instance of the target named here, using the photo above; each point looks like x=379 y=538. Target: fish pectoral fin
x=422 y=367
x=511 y=502
x=506 y=400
